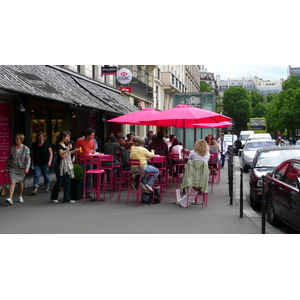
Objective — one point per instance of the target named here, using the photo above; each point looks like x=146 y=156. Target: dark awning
x=51 y=83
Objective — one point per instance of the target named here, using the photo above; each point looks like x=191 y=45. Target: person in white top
x=223 y=146
x=172 y=137
x=176 y=148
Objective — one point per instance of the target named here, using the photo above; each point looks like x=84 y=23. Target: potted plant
x=77 y=183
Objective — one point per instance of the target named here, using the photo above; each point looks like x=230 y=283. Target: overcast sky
x=265 y=72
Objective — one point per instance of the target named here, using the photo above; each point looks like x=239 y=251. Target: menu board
x=5 y=137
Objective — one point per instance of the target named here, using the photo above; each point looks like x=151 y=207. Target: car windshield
x=275 y=158
x=257 y=145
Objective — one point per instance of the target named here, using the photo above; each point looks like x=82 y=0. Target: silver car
x=249 y=151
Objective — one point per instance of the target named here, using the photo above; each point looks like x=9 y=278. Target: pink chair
x=124 y=180
x=95 y=173
x=109 y=175
x=160 y=162
x=137 y=191
x=173 y=164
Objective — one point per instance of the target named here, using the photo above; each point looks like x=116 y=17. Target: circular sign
x=193 y=101
x=124 y=76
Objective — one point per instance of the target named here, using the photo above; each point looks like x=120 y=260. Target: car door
x=292 y=194
x=278 y=191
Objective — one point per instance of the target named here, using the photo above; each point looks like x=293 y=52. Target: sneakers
x=143 y=187
x=9 y=201
x=20 y=200
x=72 y=201
x=149 y=188
x=55 y=201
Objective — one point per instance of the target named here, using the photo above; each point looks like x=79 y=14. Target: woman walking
x=63 y=168
x=41 y=158
x=18 y=163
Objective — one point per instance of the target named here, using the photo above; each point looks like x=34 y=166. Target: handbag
x=3 y=191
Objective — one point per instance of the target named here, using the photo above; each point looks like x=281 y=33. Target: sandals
x=34 y=192
x=47 y=190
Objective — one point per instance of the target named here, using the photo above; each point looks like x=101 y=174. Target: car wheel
x=245 y=169
x=272 y=219
x=253 y=203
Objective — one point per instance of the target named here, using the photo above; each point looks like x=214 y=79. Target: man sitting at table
x=159 y=146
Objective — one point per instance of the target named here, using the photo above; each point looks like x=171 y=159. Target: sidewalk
x=39 y=215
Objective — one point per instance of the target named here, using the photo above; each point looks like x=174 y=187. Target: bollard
x=231 y=184
x=241 y=194
x=263 y=207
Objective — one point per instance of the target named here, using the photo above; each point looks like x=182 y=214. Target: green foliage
x=205 y=87
x=256 y=98
x=237 y=105
x=283 y=111
x=78 y=172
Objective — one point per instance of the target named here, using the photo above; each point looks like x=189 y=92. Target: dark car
x=282 y=194
x=264 y=161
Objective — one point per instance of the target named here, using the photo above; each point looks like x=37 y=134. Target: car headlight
x=248 y=157
x=259 y=183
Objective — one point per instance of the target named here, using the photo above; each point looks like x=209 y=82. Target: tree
x=205 y=87
x=237 y=105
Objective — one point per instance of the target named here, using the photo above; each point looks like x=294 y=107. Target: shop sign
x=124 y=76
x=125 y=89
x=106 y=70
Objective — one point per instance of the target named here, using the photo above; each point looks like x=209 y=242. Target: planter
x=76 y=189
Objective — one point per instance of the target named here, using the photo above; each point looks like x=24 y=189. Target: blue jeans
x=37 y=174
x=222 y=159
x=150 y=179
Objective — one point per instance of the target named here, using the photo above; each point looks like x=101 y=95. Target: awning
x=51 y=83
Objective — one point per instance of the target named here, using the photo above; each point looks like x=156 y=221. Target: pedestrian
x=18 y=164
x=223 y=149
x=138 y=151
x=41 y=155
x=63 y=168
x=214 y=148
x=238 y=145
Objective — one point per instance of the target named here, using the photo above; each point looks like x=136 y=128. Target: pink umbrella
x=213 y=125
x=185 y=116
x=136 y=117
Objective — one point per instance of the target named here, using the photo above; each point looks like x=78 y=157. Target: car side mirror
x=298 y=183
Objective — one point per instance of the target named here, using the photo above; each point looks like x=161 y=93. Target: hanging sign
x=125 y=89
x=124 y=76
x=107 y=70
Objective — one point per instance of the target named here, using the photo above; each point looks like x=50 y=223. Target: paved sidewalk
x=39 y=215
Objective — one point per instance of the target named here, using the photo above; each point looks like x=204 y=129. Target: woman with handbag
x=18 y=163
x=63 y=169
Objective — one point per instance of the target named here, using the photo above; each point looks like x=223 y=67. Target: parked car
x=249 y=151
x=265 y=161
x=297 y=143
x=282 y=194
x=259 y=136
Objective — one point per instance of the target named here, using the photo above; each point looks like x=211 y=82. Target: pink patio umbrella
x=185 y=116
x=136 y=117
x=213 y=125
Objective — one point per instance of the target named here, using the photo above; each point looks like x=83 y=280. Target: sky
x=265 y=72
